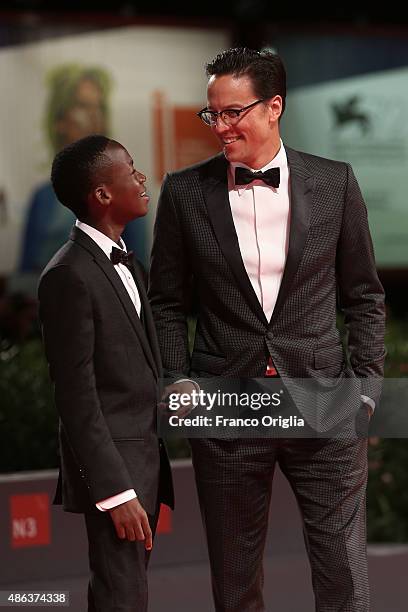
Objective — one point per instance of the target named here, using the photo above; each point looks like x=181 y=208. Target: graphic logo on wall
x=365 y=128
x=351 y=112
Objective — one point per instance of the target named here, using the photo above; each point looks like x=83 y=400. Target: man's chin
x=231 y=155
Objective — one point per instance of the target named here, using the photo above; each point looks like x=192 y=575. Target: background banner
x=141 y=85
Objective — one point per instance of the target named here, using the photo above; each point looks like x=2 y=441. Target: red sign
x=29 y=520
x=180 y=137
x=164 y=525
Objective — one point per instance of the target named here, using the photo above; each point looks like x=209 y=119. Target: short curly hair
x=76 y=168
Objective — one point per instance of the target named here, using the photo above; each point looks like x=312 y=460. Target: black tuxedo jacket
x=105 y=367
x=196 y=260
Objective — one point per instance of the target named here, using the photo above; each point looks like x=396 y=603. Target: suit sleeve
x=170 y=285
x=360 y=293
x=69 y=337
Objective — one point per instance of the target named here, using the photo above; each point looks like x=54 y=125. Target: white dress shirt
x=106 y=244
x=261 y=215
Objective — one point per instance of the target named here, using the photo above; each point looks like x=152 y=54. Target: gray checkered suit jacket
x=196 y=259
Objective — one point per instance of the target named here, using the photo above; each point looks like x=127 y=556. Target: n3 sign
x=29 y=520
x=24 y=528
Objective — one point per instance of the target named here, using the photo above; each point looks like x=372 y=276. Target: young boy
x=104 y=361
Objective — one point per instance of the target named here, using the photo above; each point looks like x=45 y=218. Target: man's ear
x=275 y=108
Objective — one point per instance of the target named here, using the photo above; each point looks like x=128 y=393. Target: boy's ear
x=102 y=195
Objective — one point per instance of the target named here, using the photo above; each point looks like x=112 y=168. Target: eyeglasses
x=229 y=116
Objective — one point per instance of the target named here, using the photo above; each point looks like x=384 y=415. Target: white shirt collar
x=102 y=240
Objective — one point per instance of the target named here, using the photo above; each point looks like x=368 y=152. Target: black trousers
x=118 y=580
x=328 y=478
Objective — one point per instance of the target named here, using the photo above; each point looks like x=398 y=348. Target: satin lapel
x=106 y=266
x=301 y=198
x=214 y=184
x=150 y=329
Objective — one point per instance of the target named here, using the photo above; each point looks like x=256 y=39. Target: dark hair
x=75 y=170
x=264 y=68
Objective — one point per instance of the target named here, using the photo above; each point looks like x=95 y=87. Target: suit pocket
x=132 y=451
x=128 y=439
x=205 y=363
x=328 y=356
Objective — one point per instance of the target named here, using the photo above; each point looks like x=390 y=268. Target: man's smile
x=227 y=141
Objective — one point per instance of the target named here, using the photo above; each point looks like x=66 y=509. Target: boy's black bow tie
x=119 y=256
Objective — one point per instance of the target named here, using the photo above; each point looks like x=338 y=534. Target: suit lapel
x=150 y=328
x=215 y=189
x=106 y=266
x=301 y=197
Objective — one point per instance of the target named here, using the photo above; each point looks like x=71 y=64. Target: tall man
x=265 y=256
x=105 y=363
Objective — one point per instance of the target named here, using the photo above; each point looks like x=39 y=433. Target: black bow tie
x=119 y=256
x=271 y=177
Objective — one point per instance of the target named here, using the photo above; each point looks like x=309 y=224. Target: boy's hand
x=131 y=522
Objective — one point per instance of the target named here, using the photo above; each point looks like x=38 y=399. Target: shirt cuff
x=193 y=382
x=116 y=500
x=369 y=401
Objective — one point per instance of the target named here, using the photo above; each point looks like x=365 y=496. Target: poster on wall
x=140 y=85
x=362 y=120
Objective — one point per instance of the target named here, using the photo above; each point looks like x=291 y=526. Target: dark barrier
x=40 y=541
